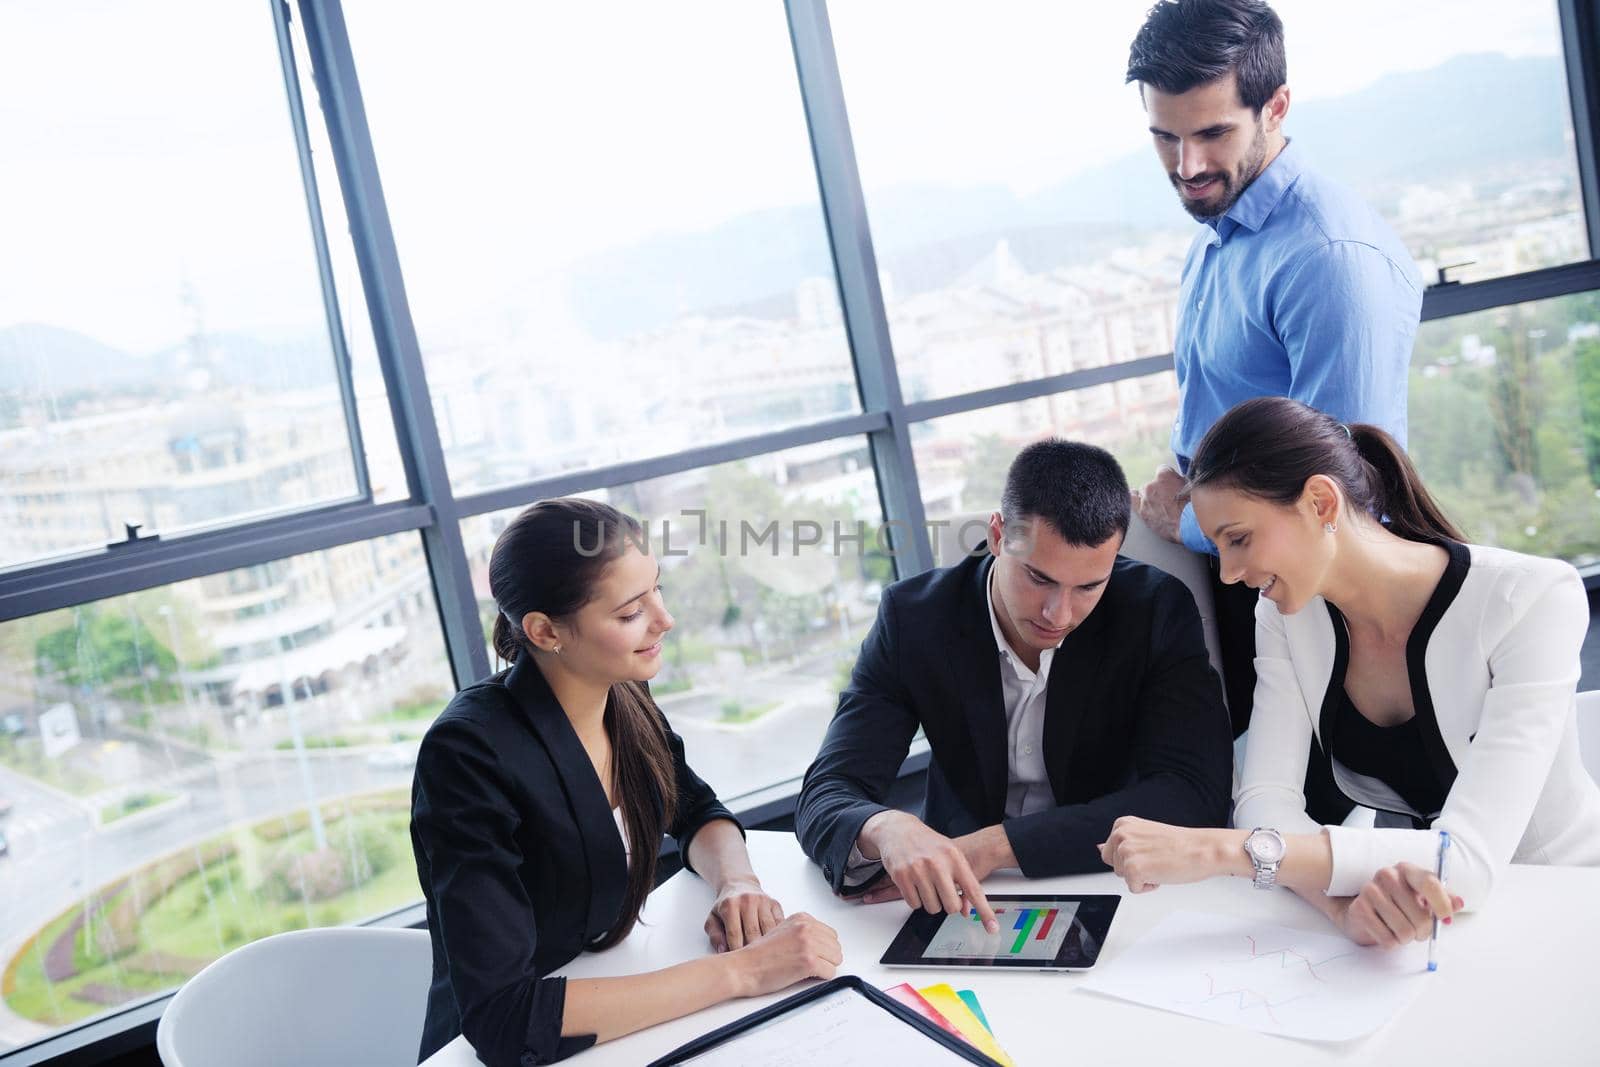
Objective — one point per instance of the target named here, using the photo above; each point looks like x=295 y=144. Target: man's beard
x=1233 y=185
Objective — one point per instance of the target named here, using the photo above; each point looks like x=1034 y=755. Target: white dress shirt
x=1022 y=691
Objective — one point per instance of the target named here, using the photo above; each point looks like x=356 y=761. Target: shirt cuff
x=1360 y=853
x=1189 y=532
x=858 y=870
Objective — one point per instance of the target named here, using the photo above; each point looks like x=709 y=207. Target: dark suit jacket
x=1134 y=721
x=520 y=862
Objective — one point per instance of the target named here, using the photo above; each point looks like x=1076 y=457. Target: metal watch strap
x=1266 y=873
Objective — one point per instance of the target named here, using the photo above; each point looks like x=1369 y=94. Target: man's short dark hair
x=1078 y=489
x=1186 y=43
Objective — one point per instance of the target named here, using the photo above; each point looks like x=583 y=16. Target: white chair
x=1589 y=731
x=336 y=997
x=966 y=532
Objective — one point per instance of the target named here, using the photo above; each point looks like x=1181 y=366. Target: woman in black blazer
x=532 y=786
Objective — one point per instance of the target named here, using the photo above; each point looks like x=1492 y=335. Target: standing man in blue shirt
x=1294 y=287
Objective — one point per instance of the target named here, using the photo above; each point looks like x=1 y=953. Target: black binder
x=716 y=1037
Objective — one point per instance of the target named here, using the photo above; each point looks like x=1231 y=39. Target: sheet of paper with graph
x=1316 y=986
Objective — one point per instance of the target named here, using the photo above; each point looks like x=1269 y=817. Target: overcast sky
x=148 y=147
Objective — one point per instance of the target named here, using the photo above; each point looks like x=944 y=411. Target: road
x=58 y=855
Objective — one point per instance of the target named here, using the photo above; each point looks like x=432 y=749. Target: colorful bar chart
x=1030 y=921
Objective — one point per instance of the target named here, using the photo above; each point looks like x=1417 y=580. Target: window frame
x=434 y=510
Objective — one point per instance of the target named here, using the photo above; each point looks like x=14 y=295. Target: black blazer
x=520 y=862
x=1134 y=721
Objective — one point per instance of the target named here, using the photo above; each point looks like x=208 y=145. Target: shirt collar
x=1006 y=651
x=1252 y=209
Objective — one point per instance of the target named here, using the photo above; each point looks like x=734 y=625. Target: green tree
x=1586 y=364
x=118 y=644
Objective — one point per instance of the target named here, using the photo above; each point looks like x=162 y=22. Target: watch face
x=1265 y=847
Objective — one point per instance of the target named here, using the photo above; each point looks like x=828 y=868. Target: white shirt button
x=1027 y=750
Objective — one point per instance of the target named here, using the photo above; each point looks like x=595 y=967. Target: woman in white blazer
x=1439 y=676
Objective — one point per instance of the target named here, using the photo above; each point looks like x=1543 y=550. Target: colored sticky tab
x=947 y=1003
x=970 y=999
x=919 y=1004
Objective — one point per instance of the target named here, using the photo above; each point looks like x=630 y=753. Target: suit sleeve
x=697 y=802
x=865 y=744
x=466 y=823
x=1182 y=753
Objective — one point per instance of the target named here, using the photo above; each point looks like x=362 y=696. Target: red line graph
x=1241 y=993
x=1283 y=955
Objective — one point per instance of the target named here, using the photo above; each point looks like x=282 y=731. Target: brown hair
x=550 y=559
x=1268 y=447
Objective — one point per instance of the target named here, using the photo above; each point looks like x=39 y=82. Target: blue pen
x=1433 y=941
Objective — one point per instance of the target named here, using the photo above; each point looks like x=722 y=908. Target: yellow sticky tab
x=949 y=1004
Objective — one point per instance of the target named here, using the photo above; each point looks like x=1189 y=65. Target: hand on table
x=1160 y=503
x=798 y=948
x=1397 y=907
x=1148 y=854
x=741 y=913
x=925 y=868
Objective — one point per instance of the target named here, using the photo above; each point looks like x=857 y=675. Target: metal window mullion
x=1016 y=392
x=116 y=572
x=399 y=354
x=1580 y=25
x=319 y=238
x=856 y=269
x=609 y=477
x=1447 y=301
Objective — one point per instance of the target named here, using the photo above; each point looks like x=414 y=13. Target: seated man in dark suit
x=1060 y=686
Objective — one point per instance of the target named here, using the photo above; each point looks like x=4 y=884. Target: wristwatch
x=1265 y=849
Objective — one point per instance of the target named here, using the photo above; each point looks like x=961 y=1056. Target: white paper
x=1276 y=979
x=843 y=1029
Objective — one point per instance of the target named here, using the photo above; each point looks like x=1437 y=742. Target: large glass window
x=1012 y=186
x=609 y=225
x=772 y=567
x=189 y=768
x=164 y=354
x=962 y=459
x=1505 y=424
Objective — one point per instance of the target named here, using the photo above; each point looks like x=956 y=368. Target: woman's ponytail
x=1409 y=509
x=506 y=645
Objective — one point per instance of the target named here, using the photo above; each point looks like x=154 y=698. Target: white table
x=1518 y=983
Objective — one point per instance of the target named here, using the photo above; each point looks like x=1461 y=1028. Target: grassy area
x=336 y=741
x=208 y=912
x=25 y=756
x=130 y=804
x=733 y=711
x=426 y=711
x=678 y=683
x=204 y=917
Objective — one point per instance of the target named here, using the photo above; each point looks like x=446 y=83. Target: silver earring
x=1331 y=527
x=556 y=649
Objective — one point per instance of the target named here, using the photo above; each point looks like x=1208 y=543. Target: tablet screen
x=1029 y=930
x=1038 y=931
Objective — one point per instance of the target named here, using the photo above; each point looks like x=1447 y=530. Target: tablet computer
x=1038 y=932
x=841 y=1023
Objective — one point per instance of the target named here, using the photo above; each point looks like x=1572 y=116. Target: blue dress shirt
x=1299 y=290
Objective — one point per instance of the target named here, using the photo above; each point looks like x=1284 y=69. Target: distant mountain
x=1470 y=116
x=1471 y=113
x=41 y=359
x=38 y=359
